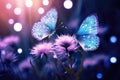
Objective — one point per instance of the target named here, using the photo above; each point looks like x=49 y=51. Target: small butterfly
x=87 y=33
x=46 y=26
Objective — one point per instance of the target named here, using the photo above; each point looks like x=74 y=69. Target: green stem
x=56 y=68
x=81 y=66
x=67 y=69
x=70 y=63
x=34 y=68
x=2 y=62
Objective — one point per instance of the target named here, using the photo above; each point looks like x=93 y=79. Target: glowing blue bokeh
x=99 y=75
x=113 y=60
x=113 y=39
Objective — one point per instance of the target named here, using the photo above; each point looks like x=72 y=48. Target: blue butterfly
x=46 y=26
x=87 y=33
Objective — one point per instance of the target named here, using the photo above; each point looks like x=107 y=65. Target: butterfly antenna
x=61 y=25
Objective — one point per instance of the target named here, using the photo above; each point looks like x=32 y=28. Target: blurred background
x=18 y=16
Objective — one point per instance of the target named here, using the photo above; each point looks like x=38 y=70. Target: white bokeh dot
x=29 y=3
x=68 y=4
x=17 y=11
x=8 y=6
x=45 y=2
x=41 y=10
x=11 y=21
x=17 y=27
x=19 y=50
x=3 y=52
x=113 y=60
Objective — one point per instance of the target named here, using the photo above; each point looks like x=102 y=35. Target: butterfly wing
x=87 y=33
x=50 y=18
x=47 y=25
x=40 y=30
x=89 y=42
x=89 y=26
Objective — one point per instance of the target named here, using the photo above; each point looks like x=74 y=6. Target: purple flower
x=95 y=60
x=42 y=48
x=3 y=45
x=65 y=43
x=7 y=41
x=8 y=57
x=25 y=64
x=11 y=39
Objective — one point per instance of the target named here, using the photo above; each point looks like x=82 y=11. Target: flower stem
x=2 y=62
x=81 y=66
x=70 y=64
x=56 y=68
x=34 y=68
x=67 y=69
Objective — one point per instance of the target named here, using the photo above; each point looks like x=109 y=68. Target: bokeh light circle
x=11 y=21
x=68 y=4
x=8 y=6
x=113 y=60
x=17 y=27
x=19 y=50
x=17 y=11
x=29 y=3
x=41 y=10
x=45 y=2
x=99 y=75
x=113 y=39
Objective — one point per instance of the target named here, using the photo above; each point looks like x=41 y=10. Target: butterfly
x=46 y=25
x=87 y=33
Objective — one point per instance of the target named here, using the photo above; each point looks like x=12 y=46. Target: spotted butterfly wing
x=50 y=18
x=87 y=33
x=46 y=26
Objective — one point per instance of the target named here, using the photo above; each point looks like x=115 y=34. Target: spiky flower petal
x=42 y=48
x=65 y=43
x=11 y=39
x=8 y=57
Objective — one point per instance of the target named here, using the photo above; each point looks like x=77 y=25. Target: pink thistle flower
x=25 y=64
x=11 y=39
x=65 y=43
x=42 y=48
x=3 y=45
